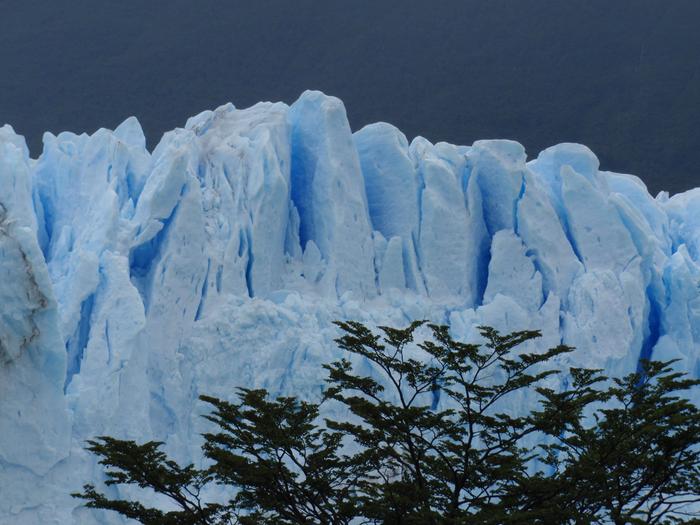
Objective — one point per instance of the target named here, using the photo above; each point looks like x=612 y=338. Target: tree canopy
x=432 y=437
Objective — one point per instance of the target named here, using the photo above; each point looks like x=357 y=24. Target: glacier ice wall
x=132 y=281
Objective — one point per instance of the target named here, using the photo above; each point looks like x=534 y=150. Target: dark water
x=620 y=76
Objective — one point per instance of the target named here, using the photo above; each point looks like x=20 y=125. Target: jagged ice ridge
x=131 y=282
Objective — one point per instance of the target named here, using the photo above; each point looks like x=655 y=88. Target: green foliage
x=148 y=467
x=640 y=461
x=285 y=468
x=428 y=440
x=437 y=466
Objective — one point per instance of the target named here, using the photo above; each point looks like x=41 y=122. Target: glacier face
x=132 y=281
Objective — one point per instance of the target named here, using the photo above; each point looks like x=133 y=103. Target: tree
x=148 y=467
x=639 y=462
x=435 y=465
x=284 y=469
x=430 y=439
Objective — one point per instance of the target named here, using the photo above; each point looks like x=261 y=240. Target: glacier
x=133 y=281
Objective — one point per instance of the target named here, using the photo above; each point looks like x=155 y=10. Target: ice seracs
x=133 y=281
